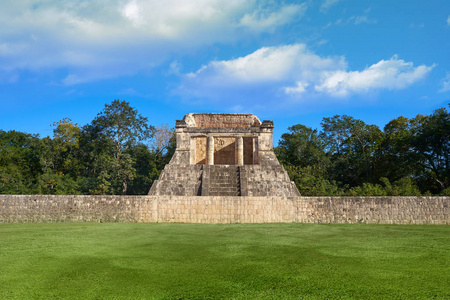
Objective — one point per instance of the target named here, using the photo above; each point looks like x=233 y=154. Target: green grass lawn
x=243 y=261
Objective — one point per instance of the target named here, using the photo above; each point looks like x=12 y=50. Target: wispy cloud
x=448 y=20
x=362 y=19
x=295 y=71
x=264 y=19
x=445 y=84
x=124 y=36
x=326 y=4
x=355 y=20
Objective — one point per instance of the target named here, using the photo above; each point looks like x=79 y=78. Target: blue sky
x=293 y=62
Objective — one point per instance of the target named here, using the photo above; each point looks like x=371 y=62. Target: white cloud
x=445 y=84
x=296 y=71
x=326 y=4
x=387 y=74
x=268 y=64
x=448 y=20
x=174 y=69
x=266 y=19
x=300 y=88
x=97 y=38
x=132 y=12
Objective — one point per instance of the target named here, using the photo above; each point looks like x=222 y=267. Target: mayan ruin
x=224 y=155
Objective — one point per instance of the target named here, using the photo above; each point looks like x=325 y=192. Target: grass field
x=244 y=261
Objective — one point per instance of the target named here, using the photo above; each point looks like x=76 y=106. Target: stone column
x=255 y=151
x=240 y=150
x=210 y=150
x=193 y=151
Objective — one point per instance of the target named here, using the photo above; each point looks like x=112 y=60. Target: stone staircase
x=224 y=181
x=178 y=180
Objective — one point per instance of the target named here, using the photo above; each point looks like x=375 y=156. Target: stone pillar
x=193 y=151
x=240 y=150
x=255 y=151
x=210 y=150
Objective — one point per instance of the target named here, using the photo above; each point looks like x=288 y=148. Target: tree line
x=119 y=152
x=350 y=157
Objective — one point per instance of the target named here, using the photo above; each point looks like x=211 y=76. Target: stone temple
x=224 y=155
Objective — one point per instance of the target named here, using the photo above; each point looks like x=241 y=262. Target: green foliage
x=302 y=147
x=311 y=182
x=352 y=145
x=431 y=144
x=106 y=156
x=120 y=153
x=349 y=157
x=402 y=187
x=19 y=162
x=124 y=127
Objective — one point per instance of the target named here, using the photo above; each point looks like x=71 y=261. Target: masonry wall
x=373 y=210
x=63 y=208
x=194 y=209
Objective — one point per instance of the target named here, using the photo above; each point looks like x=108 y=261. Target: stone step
x=224 y=181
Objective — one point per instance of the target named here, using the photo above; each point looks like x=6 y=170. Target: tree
x=396 y=159
x=353 y=146
x=160 y=141
x=66 y=144
x=302 y=147
x=125 y=127
x=431 y=144
x=19 y=162
x=302 y=152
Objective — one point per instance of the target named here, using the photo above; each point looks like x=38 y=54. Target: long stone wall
x=218 y=209
x=59 y=208
x=374 y=210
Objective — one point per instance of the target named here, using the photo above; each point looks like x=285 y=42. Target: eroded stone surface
x=224 y=209
x=207 y=144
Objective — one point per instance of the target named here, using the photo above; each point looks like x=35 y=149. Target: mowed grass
x=242 y=261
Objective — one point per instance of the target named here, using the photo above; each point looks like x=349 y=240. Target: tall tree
x=353 y=145
x=302 y=151
x=125 y=127
x=302 y=146
x=431 y=143
x=396 y=159
x=19 y=162
x=66 y=143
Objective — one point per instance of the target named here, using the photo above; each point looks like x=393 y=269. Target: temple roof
x=218 y=120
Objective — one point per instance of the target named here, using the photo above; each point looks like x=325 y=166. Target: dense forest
x=350 y=157
x=119 y=152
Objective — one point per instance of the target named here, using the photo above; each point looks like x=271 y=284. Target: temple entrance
x=225 y=151
x=250 y=151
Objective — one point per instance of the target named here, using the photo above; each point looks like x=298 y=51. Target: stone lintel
x=208 y=120
x=251 y=130
x=224 y=135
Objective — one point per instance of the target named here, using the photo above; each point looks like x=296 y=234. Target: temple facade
x=224 y=155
